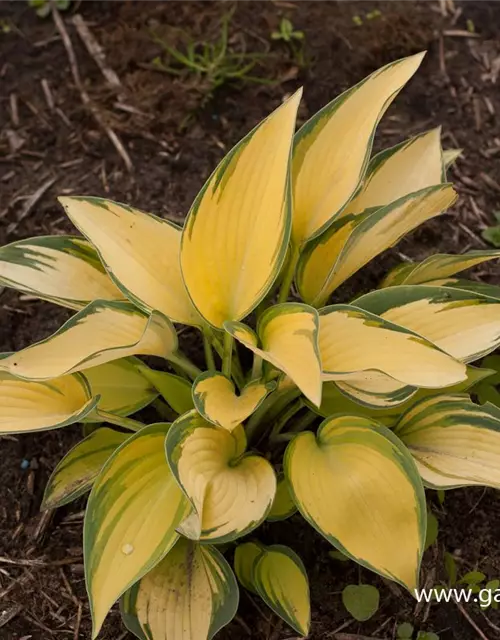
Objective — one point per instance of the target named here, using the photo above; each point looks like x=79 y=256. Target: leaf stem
x=285 y=417
x=185 y=364
x=289 y=274
x=209 y=355
x=163 y=410
x=283 y=437
x=237 y=371
x=273 y=401
x=302 y=423
x=227 y=354
x=120 y=421
x=256 y=367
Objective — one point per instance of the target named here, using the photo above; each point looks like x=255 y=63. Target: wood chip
x=23 y=562
x=489 y=105
x=31 y=202
x=477 y=114
x=78 y=622
x=49 y=98
x=488 y=180
x=96 y=51
x=14 y=112
x=460 y=33
x=9 y=614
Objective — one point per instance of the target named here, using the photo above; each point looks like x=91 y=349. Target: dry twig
x=49 y=98
x=96 y=51
x=21 y=562
x=491 y=624
x=8 y=614
x=354 y=636
x=85 y=98
x=480 y=633
x=31 y=202
x=78 y=622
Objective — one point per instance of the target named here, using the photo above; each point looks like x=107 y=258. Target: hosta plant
x=347 y=408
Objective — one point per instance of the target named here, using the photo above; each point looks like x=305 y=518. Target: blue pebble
x=25 y=464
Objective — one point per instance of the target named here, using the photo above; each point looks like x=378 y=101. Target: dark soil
x=175 y=135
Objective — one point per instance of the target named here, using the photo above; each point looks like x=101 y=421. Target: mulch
x=71 y=122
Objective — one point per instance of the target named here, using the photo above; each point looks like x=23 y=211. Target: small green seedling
x=432 y=530
x=371 y=15
x=43 y=8
x=212 y=64
x=405 y=632
x=286 y=32
x=361 y=601
x=492 y=234
x=450 y=567
x=475 y=581
x=493 y=587
x=293 y=38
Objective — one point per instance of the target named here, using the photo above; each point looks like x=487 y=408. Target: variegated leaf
x=352 y=340
x=100 y=333
x=215 y=399
x=140 y=252
x=236 y=234
x=76 y=472
x=454 y=442
x=65 y=270
x=331 y=151
x=377 y=514
x=464 y=324
x=190 y=595
x=231 y=493
x=437 y=267
x=288 y=338
x=132 y=515
x=354 y=240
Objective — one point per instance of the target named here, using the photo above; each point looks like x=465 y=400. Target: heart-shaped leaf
x=215 y=399
x=377 y=513
x=361 y=600
x=231 y=492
